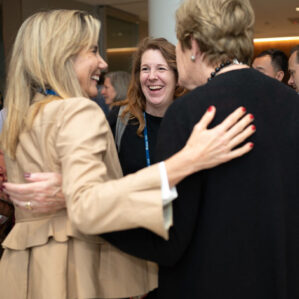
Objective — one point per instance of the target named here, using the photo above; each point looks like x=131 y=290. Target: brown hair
x=223 y=29
x=136 y=100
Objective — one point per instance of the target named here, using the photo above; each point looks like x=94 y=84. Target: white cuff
x=168 y=195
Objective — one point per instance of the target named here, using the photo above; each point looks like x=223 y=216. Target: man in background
x=294 y=68
x=273 y=63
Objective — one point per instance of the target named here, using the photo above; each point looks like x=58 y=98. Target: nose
x=291 y=81
x=102 y=63
x=152 y=74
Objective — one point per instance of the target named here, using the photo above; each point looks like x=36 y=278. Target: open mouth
x=96 y=78
x=155 y=87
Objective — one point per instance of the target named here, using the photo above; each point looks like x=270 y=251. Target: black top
x=132 y=149
x=236 y=226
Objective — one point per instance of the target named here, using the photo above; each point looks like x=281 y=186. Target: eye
x=144 y=69
x=95 y=49
x=162 y=68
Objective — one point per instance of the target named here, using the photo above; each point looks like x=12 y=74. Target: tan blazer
x=56 y=255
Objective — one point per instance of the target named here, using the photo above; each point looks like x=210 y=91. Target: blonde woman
x=51 y=125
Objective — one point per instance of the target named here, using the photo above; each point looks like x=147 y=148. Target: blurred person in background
x=99 y=99
x=273 y=63
x=115 y=87
x=294 y=68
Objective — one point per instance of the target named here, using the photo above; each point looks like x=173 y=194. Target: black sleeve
x=173 y=135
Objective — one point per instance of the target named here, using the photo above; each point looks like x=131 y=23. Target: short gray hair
x=120 y=81
x=223 y=29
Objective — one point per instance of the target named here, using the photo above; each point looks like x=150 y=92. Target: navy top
x=132 y=150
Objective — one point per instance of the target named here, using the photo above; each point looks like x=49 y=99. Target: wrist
x=179 y=166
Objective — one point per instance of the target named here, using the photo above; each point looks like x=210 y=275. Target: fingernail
x=253 y=127
x=251 y=145
x=243 y=109
x=210 y=108
x=27 y=175
x=251 y=116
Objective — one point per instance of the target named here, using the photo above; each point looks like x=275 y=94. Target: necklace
x=223 y=65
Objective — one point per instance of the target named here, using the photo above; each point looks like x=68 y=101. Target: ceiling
x=274 y=18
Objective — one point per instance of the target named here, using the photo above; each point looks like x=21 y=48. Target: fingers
x=41 y=176
x=240 y=126
x=38 y=191
x=42 y=185
x=44 y=207
x=206 y=118
x=11 y=188
x=241 y=137
x=232 y=119
x=240 y=151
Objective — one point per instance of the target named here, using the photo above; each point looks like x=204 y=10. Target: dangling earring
x=192 y=58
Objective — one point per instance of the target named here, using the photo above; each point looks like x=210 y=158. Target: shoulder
x=75 y=106
x=182 y=110
x=78 y=113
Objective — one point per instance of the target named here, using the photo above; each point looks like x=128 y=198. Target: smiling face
x=157 y=81
x=88 y=65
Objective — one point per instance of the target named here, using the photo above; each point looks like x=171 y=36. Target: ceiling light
x=297 y=8
x=275 y=39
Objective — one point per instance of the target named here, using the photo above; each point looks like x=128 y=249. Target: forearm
x=125 y=203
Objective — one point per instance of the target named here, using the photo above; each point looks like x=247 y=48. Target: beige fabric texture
x=55 y=255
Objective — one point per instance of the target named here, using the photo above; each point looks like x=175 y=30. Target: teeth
x=154 y=87
x=95 y=77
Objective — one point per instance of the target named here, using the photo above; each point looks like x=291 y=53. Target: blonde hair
x=223 y=29
x=42 y=57
x=136 y=101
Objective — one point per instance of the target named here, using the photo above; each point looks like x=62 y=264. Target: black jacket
x=236 y=226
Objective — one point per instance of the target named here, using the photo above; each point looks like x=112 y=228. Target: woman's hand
x=42 y=195
x=211 y=147
x=207 y=148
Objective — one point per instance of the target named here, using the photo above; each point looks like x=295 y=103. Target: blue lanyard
x=51 y=92
x=147 y=154
x=48 y=92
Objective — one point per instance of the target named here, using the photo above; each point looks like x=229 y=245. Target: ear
x=279 y=75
